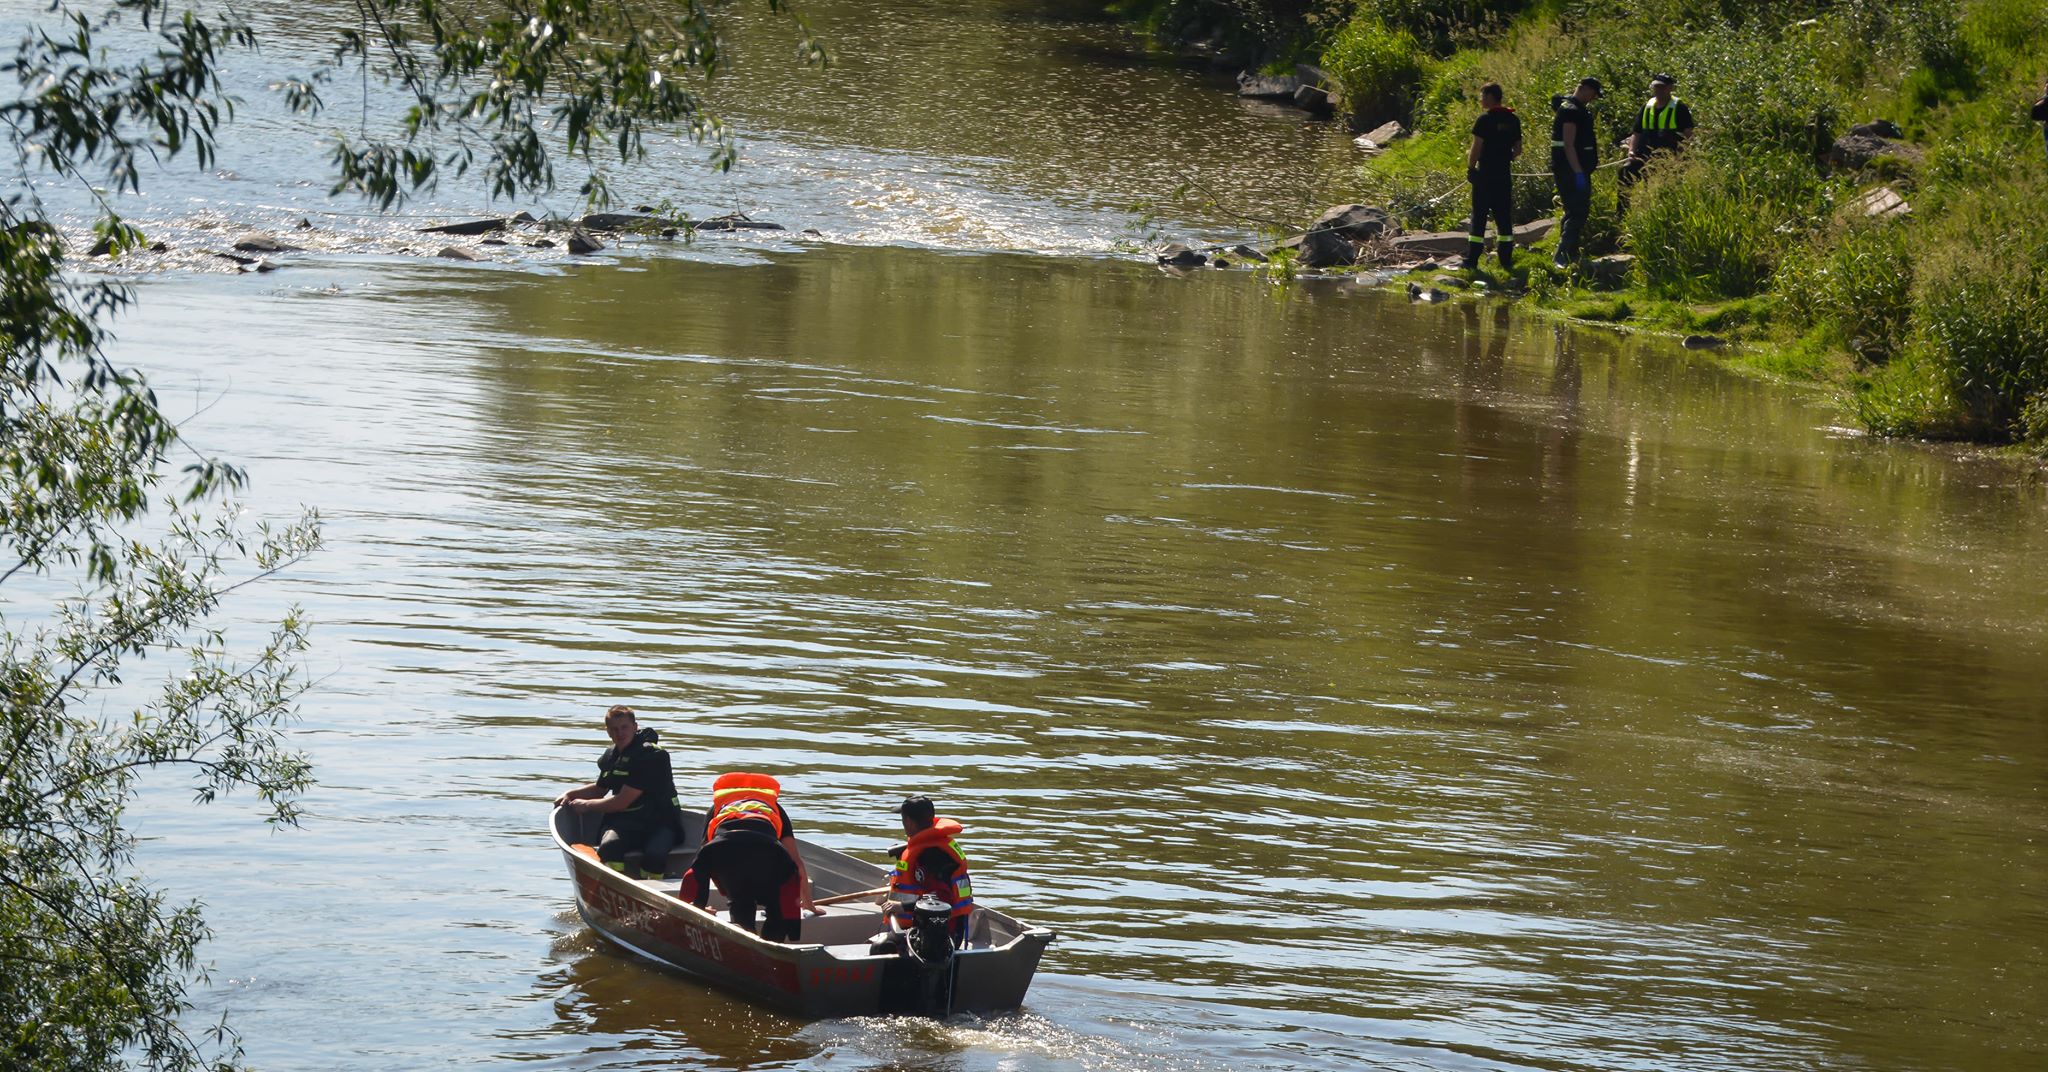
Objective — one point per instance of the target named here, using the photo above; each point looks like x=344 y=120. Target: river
x=1352 y=684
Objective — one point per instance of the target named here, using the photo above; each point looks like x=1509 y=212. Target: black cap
x=1589 y=80
x=1664 y=78
x=920 y=809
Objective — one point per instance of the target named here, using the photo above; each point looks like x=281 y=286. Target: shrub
x=1703 y=227
x=1379 y=68
x=1858 y=286
x=1981 y=305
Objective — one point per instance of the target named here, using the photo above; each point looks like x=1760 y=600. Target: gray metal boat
x=830 y=972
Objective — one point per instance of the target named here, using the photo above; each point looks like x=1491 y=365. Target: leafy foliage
x=115 y=551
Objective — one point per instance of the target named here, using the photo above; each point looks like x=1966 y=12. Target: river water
x=1351 y=683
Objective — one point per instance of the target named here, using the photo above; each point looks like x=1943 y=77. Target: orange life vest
x=906 y=884
x=740 y=795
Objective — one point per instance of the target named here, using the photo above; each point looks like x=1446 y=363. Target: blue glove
x=1584 y=180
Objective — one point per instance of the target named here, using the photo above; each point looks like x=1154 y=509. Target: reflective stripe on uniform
x=1660 y=120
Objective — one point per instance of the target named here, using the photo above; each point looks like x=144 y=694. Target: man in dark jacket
x=1574 y=153
x=1496 y=142
x=635 y=791
x=2041 y=115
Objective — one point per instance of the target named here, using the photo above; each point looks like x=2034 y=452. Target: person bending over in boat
x=750 y=854
x=928 y=865
x=635 y=791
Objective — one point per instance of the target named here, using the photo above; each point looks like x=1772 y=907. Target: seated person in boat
x=929 y=865
x=750 y=854
x=635 y=791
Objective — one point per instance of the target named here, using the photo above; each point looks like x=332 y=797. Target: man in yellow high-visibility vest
x=1662 y=126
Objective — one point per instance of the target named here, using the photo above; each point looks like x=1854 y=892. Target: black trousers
x=1578 y=204
x=651 y=840
x=758 y=881
x=1493 y=195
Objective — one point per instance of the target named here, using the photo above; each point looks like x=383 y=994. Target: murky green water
x=1353 y=684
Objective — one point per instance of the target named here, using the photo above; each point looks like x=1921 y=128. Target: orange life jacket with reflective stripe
x=740 y=795
x=908 y=887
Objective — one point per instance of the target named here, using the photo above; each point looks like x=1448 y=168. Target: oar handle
x=845 y=897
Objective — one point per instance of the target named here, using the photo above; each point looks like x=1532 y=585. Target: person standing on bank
x=1496 y=143
x=635 y=791
x=1662 y=126
x=2040 y=114
x=1574 y=153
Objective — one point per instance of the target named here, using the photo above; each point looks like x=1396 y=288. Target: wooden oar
x=845 y=897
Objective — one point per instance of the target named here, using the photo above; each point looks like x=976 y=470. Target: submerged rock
x=1248 y=253
x=623 y=221
x=1703 y=342
x=1268 y=87
x=738 y=221
x=263 y=243
x=1179 y=256
x=457 y=253
x=473 y=227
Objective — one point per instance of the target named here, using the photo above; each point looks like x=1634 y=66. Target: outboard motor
x=931 y=933
x=920 y=978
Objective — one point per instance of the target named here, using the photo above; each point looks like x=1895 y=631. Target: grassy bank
x=1936 y=321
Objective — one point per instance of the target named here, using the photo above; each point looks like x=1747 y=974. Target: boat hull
x=833 y=976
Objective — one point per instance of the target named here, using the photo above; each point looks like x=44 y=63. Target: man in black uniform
x=635 y=791
x=1662 y=126
x=1574 y=153
x=2040 y=115
x=750 y=854
x=1496 y=142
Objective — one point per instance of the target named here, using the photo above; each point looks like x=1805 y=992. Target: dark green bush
x=1981 y=305
x=1379 y=68
x=1706 y=226
x=1857 y=285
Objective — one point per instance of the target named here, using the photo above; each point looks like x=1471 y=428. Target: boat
x=830 y=972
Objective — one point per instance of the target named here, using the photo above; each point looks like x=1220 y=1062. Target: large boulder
x=1611 y=270
x=1880 y=203
x=623 y=221
x=1440 y=245
x=1321 y=249
x=473 y=227
x=581 y=242
x=263 y=243
x=1380 y=137
x=1313 y=99
x=1358 y=222
x=1268 y=87
x=1879 y=128
x=1853 y=151
x=1534 y=231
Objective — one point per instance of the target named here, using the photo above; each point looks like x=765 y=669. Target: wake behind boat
x=830 y=972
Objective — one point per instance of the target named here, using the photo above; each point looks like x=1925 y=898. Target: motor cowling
x=931 y=932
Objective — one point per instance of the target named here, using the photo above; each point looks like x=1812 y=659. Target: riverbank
x=1861 y=188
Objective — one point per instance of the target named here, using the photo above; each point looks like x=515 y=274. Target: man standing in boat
x=750 y=854
x=636 y=793
x=928 y=865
